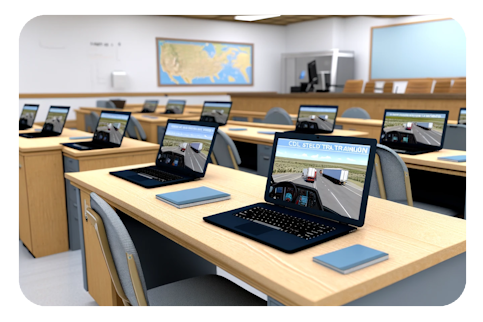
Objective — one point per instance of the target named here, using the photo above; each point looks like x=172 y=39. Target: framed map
x=197 y=62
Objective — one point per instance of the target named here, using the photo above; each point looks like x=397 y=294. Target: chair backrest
x=442 y=86
x=120 y=255
x=225 y=151
x=356 y=113
x=106 y=104
x=135 y=130
x=390 y=178
x=459 y=86
x=455 y=137
x=370 y=87
x=388 y=86
x=91 y=121
x=353 y=86
x=278 y=115
x=419 y=86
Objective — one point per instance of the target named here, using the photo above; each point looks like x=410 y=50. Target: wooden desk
x=414 y=239
x=150 y=123
x=430 y=162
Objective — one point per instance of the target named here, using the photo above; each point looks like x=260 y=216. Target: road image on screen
x=175 y=107
x=413 y=128
x=111 y=127
x=55 y=119
x=150 y=106
x=320 y=175
x=28 y=115
x=316 y=118
x=462 y=118
x=215 y=112
x=186 y=146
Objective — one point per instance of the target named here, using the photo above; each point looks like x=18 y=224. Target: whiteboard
x=418 y=50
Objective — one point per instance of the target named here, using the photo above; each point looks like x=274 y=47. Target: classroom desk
x=47 y=220
x=426 y=250
x=429 y=162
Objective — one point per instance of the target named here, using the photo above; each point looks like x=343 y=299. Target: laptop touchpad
x=254 y=228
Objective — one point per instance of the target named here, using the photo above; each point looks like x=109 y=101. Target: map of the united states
x=191 y=62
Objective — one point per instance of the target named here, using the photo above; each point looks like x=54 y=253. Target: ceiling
x=283 y=20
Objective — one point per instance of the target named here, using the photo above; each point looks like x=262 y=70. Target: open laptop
x=317 y=190
x=216 y=112
x=54 y=123
x=182 y=156
x=462 y=116
x=109 y=132
x=175 y=107
x=27 y=117
x=414 y=131
x=150 y=106
x=119 y=103
x=316 y=119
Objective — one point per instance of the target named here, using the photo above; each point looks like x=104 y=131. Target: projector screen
x=418 y=50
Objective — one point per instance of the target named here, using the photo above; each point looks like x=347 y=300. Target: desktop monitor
x=462 y=116
x=27 y=117
x=216 y=112
x=316 y=119
x=313 y=78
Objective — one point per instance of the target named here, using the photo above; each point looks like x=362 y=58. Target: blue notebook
x=192 y=197
x=149 y=117
x=266 y=132
x=350 y=259
x=237 y=129
x=454 y=158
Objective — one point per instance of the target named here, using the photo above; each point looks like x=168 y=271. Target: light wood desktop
x=430 y=162
x=42 y=213
x=414 y=239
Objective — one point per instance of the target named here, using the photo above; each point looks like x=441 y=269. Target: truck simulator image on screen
x=413 y=128
x=215 y=112
x=316 y=118
x=111 y=127
x=175 y=107
x=55 y=119
x=186 y=146
x=462 y=116
x=28 y=115
x=320 y=175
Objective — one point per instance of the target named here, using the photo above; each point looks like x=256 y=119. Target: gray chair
x=126 y=273
x=135 y=130
x=356 y=113
x=225 y=152
x=106 y=104
x=455 y=137
x=278 y=115
x=91 y=121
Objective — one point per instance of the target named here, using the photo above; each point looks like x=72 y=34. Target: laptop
x=316 y=119
x=414 y=131
x=119 y=103
x=182 y=156
x=175 y=107
x=27 y=117
x=216 y=112
x=317 y=190
x=462 y=116
x=53 y=125
x=109 y=132
x=150 y=106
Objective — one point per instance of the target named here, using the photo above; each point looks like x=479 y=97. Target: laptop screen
x=316 y=118
x=327 y=178
x=28 y=114
x=216 y=112
x=150 y=106
x=56 y=119
x=462 y=116
x=413 y=128
x=175 y=106
x=111 y=127
x=186 y=146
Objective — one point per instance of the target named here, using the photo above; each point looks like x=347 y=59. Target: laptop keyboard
x=299 y=227
x=158 y=174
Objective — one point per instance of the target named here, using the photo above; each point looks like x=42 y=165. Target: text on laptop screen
x=111 y=127
x=55 y=119
x=186 y=146
x=462 y=117
x=316 y=118
x=28 y=114
x=216 y=112
x=413 y=128
x=150 y=106
x=177 y=107
x=320 y=175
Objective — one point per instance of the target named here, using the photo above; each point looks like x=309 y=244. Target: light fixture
x=255 y=18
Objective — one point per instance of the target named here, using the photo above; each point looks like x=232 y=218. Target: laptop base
x=38 y=135
x=86 y=146
x=412 y=152
x=144 y=180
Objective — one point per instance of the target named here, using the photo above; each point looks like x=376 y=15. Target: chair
x=388 y=87
x=442 y=86
x=356 y=113
x=126 y=272
x=353 y=86
x=106 y=104
x=91 y=121
x=419 y=86
x=455 y=137
x=370 y=87
x=459 y=86
x=278 y=115
x=135 y=130
x=225 y=152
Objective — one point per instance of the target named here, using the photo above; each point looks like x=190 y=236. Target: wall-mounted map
x=191 y=62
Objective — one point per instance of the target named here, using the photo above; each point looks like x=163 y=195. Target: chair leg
x=380 y=180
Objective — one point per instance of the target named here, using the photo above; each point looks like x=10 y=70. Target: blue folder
x=454 y=158
x=192 y=197
x=149 y=117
